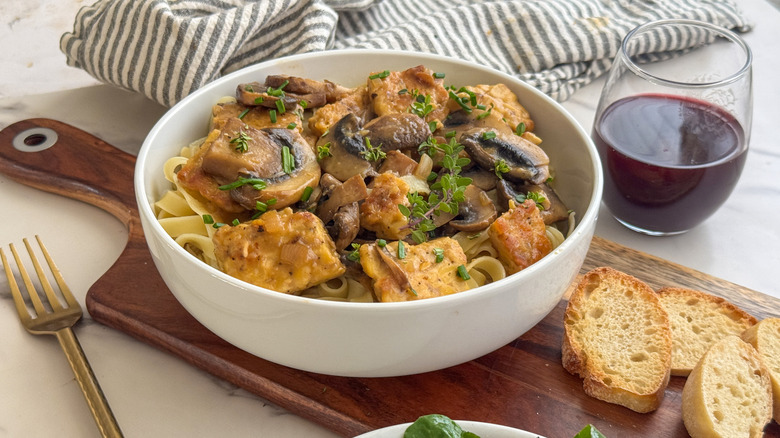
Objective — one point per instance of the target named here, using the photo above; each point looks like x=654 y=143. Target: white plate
x=484 y=430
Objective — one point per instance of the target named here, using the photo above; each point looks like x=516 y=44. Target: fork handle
x=89 y=385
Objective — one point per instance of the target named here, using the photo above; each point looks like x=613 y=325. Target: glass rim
x=727 y=33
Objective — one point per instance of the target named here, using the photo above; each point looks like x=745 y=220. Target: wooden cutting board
x=521 y=384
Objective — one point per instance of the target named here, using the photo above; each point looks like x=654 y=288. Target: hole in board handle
x=35 y=140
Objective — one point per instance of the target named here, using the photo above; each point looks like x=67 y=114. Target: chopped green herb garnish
x=256 y=183
x=241 y=141
x=249 y=88
x=488 y=135
x=486 y=113
x=373 y=153
x=278 y=91
x=438 y=75
x=401 y=250
x=280 y=106
x=463 y=273
x=272 y=114
x=306 y=194
x=303 y=104
x=501 y=167
x=292 y=125
x=421 y=105
x=235 y=222
x=402 y=91
x=381 y=243
x=323 y=151
x=447 y=189
x=439 y=253
x=288 y=161
x=218 y=225
x=259 y=100
x=380 y=75
x=520 y=129
x=243 y=113
x=262 y=207
x=354 y=255
x=208 y=219
x=537 y=197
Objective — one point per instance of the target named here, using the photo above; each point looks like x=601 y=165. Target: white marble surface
x=155 y=394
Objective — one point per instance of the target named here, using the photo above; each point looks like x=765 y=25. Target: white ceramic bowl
x=371 y=339
x=483 y=430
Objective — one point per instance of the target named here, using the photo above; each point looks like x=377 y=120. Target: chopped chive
x=303 y=104
x=276 y=92
x=257 y=183
x=218 y=225
x=463 y=273
x=208 y=219
x=292 y=125
x=280 y=106
x=288 y=161
x=306 y=194
x=381 y=243
x=272 y=114
x=380 y=75
x=520 y=130
x=243 y=113
x=438 y=75
x=401 y=250
x=439 y=253
x=259 y=99
x=235 y=222
x=488 y=135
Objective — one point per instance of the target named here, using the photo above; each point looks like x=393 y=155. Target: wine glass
x=673 y=124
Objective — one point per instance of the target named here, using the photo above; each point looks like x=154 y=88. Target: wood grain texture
x=521 y=384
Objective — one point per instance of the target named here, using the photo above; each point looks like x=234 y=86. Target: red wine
x=669 y=162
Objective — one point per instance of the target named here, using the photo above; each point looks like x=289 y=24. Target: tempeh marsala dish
x=399 y=189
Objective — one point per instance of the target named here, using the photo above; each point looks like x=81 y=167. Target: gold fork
x=58 y=321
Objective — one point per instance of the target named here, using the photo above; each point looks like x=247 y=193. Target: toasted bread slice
x=617 y=337
x=765 y=338
x=699 y=320
x=728 y=393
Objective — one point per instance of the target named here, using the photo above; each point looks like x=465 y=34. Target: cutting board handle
x=61 y=159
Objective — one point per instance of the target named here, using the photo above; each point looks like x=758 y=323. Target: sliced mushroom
x=347 y=150
x=401 y=277
x=476 y=212
x=489 y=147
x=398 y=162
x=484 y=179
x=256 y=94
x=346 y=225
x=258 y=155
x=304 y=86
x=398 y=131
x=553 y=209
x=340 y=194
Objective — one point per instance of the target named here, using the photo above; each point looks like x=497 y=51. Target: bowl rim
x=146 y=212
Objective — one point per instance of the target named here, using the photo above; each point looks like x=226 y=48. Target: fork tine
x=34 y=298
x=54 y=302
x=21 y=308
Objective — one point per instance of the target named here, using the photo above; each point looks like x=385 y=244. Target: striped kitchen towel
x=166 y=49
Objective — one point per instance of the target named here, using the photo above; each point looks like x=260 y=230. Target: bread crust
x=765 y=338
x=617 y=337
x=699 y=320
x=728 y=393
